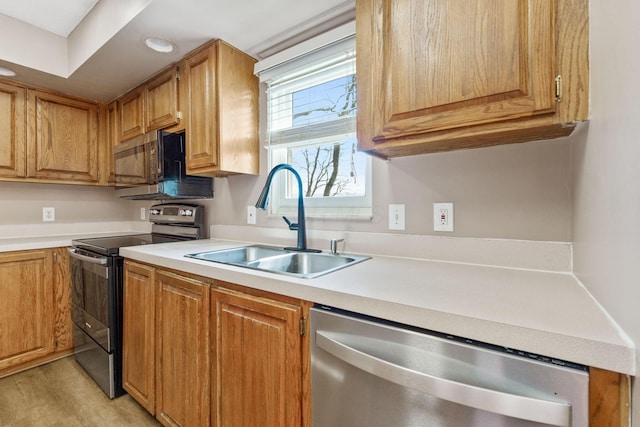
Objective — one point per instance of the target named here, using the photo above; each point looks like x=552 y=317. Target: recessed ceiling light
x=5 y=72
x=159 y=44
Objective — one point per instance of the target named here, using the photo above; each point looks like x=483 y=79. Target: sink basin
x=278 y=260
x=241 y=255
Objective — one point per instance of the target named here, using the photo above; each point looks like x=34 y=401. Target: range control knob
x=154 y=211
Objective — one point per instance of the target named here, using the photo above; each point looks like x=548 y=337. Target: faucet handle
x=334 y=246
x=293 y=226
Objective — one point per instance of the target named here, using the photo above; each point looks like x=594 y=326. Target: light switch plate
x=251 y=215
x=396 y=217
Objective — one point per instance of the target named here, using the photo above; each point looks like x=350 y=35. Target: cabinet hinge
x=55 y=342
x=179 y=115
x=55 y=257
x=558 y=88
x=303 y=326
x=177 y=75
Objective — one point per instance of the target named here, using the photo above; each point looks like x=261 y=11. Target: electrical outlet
x=143 y=214
x=251 y=215
x=396 y=217
x=443 y=217
x=48 y=214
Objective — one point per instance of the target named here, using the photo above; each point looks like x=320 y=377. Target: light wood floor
x=62 y=394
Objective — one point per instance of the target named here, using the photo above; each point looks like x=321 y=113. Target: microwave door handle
x=179 y=169
x=526 y=408
x=73 y=253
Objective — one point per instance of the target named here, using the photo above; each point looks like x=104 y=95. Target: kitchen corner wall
x=520 y=191
x=606 y=169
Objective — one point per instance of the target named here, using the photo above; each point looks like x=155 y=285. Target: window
x=312 y=127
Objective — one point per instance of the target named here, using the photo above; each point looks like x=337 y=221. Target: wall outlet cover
x=48 y=214
x=443 y=217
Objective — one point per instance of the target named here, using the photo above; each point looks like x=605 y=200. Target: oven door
x=92 y=296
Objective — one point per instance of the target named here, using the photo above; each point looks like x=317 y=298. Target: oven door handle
x=93 y=260
x=499 y=402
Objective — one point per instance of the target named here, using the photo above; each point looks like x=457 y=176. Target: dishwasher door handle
x=513 y=405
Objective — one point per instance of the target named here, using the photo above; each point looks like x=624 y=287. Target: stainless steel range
x=96 y=281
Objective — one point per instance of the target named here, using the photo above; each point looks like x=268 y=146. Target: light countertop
x=543 y=312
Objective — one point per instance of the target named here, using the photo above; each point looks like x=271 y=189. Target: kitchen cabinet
x=221 y=112
x=131 y=113
x=12 y=131
x=438 y=75
x=35 y=308
x=203 y=352
x=161 y=100
x=182 y=364
x=138 y=334
x=259 y=360
x=166 y=344
x=152 y=105
x=62 y=138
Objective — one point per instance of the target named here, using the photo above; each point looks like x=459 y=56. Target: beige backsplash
x=534 y=255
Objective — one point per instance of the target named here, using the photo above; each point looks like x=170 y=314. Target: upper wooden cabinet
x=152 y=105
x=222 y=112
x=62 y=138
x=161 y=100
x=438 y=75
x=131 y=113
x=12 y=131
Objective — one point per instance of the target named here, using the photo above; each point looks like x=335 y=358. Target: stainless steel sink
x=278 y=260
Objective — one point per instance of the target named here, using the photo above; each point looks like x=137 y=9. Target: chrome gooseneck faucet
x=300 y=226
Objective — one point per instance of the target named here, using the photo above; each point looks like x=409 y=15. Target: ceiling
x=96 y=50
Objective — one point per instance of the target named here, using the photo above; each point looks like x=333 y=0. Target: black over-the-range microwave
x=153 y=167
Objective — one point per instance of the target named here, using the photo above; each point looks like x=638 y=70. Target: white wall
x=520 y=191
x=606 y=169
x=22 y=203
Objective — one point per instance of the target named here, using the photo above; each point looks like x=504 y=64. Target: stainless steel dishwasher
x=367 y=372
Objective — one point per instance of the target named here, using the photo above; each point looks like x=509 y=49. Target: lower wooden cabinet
x=198 y=353
x=138 y=334
x=182 y=353
x=257 y=361
x=35 y=308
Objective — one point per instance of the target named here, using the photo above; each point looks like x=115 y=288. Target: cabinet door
x=161 y=96
x=257 y=361
x=131 y=112
x=12 y=131
x=183 y=362
x=138 y=334
x=431 y=66
x=26 y=307
x=63 y=138
x=202 y=119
